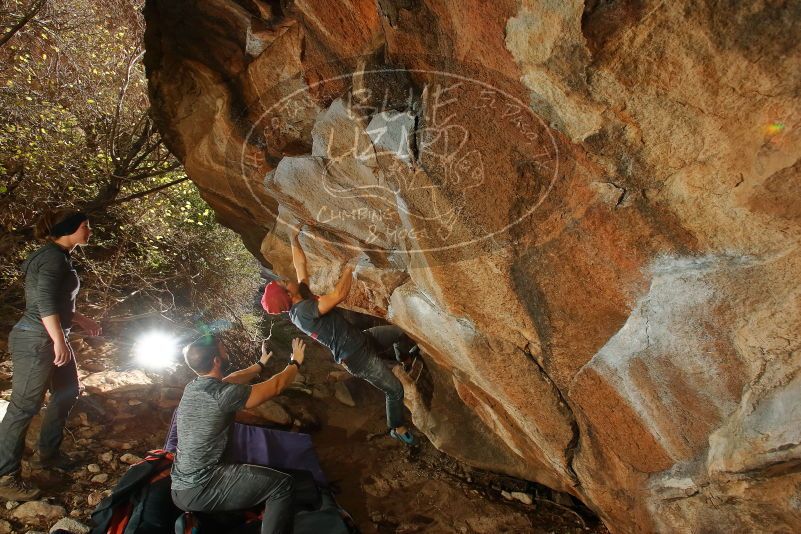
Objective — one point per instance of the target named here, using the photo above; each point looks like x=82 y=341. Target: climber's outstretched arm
x=298 y=258
x=340 y=293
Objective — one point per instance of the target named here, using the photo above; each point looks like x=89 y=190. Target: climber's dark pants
x=34 y=373
x=368 y=366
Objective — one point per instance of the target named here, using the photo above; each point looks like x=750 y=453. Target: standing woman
x=41 y=356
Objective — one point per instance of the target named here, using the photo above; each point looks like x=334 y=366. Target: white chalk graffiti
x=408 y=159
x=415 y=164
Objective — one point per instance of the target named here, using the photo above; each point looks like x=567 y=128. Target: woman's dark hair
x=199 y=355
x=56 y=223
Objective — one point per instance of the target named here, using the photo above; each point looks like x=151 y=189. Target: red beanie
x=276 y=299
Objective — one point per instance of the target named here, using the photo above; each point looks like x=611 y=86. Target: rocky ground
x=386 y=487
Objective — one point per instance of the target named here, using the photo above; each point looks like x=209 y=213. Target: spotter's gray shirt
x=51 y=286
x=205 y=419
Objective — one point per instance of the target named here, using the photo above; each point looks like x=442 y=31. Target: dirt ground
x=385 y=486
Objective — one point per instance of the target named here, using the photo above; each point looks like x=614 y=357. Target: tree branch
x=143 y=193
x=15 y=179
x=26 y=18
x=132 y=60
x=151 y=172
x=124 y=166
x=147 y=151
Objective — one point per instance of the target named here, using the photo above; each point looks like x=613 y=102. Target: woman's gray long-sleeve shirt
x=51 y=286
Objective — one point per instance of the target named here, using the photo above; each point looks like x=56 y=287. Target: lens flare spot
x=774 y=128
x=156 y=350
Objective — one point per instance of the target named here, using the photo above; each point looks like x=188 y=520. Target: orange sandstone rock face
x=586 y=213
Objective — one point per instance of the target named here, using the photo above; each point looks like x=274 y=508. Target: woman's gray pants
x=34 y=373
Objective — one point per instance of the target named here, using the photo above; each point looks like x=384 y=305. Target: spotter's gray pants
x=33 y=374
x=241 y=486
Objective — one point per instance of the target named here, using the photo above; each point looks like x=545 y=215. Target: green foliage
x=76 y=132
x=68 y=81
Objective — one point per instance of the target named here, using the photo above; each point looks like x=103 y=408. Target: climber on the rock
x=358 y=351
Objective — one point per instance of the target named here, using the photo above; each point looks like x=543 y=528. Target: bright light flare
x=156 y=350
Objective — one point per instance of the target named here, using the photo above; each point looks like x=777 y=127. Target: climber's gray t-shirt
x=205 y=416
x=330 y=329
